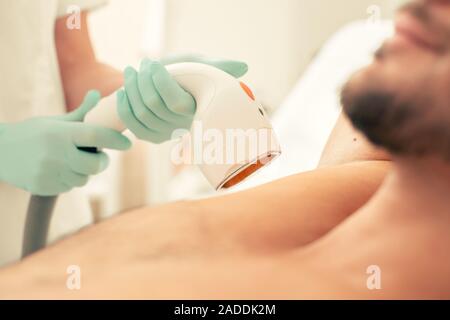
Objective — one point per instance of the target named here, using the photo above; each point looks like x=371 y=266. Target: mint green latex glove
x=153 y=105
x=40 y=155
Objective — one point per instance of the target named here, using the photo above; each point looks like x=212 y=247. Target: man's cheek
x=439 y=88
x=408 y=72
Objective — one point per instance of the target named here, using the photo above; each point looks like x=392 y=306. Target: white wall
x=276 y=37
x=116 y=31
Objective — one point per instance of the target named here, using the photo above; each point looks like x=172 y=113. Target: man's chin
x=366 y=104
x=403 y=129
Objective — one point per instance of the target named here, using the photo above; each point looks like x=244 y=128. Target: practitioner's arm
x=80 y=70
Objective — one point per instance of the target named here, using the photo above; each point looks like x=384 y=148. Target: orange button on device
x=247 y=91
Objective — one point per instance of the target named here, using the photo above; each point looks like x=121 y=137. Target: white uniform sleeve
x=64 y=5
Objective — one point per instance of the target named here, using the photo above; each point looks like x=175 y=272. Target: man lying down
x=313 y=235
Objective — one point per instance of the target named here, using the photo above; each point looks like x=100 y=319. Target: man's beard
x=406 y=129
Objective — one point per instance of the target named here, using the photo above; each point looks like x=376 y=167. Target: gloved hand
x=152 y=104
x=40 y=155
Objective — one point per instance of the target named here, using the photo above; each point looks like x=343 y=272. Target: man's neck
x=416 y=189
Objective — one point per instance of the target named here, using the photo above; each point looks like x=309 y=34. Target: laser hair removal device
x=226 y=110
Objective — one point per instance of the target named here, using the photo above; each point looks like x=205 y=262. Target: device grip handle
x=196 y=78
x=105 y=114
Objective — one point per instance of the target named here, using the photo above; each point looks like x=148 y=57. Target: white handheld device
x=231 y=137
